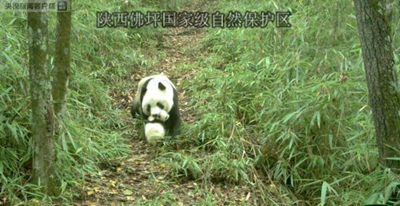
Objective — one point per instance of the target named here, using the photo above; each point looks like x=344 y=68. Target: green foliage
x=282 y=111
x=93 y=131
x=290 y=104
x=183 y=165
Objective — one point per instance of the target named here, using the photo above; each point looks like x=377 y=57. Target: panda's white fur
x=154 y=132
x=154 y=95
x=156 y=100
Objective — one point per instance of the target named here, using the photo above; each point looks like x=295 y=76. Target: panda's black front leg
x=176 y=128
x=135 y=109
x=174 y=122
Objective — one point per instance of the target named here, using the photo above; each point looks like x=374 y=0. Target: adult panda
x=156 y=100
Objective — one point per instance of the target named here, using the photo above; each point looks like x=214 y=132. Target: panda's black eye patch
x=148 y=108
x=160 y=105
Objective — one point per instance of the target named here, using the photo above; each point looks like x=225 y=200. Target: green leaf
x=325 y=186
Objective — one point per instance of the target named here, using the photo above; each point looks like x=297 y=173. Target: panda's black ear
x=161 y=86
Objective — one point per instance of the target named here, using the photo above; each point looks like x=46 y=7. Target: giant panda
x=156 y=100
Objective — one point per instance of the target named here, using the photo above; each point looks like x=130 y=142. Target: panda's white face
x=158 y=100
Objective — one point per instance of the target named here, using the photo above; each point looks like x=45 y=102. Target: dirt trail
x=140 y=178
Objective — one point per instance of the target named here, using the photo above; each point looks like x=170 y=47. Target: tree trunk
x=41 y=103
x=384 y=93
x=62 y=61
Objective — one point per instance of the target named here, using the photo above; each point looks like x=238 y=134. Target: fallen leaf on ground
x=128 y=192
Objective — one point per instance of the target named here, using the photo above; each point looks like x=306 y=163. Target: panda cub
x=154 y=132
x=156 y=100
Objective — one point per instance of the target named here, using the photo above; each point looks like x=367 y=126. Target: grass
x=282 y=112
x=288 y=106
x=94 y=130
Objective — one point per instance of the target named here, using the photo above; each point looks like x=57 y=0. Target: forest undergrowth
x=272 y=116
